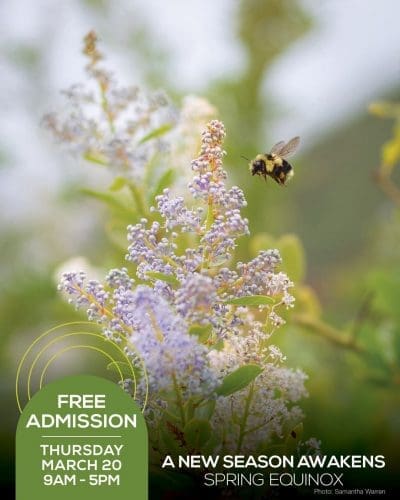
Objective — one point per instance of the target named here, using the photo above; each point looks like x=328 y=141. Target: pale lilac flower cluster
x=108 y=124
x=84 y=293
x=258 y=276
x=112 y=138
x=148 y=251
x=220 y=240
x=119 y=277
x=218 y=229
x=175 y=213
x=196 y=298
x=160 y=337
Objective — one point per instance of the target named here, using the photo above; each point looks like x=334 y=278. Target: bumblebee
x=274 y=163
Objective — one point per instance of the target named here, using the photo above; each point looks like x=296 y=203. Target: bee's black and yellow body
x=272 y=165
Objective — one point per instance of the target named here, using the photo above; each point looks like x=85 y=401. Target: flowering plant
x=201 y=327
x=199 y=322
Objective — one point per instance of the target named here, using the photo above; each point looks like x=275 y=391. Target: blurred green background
x=274 y=69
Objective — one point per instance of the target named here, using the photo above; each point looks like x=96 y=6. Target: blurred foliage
x=368 y=341
x=351 y=241
x=265 y=30
x=355 y=376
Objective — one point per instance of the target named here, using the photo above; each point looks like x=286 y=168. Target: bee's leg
x=276 y=179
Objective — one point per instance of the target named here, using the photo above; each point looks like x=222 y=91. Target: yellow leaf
x=391 y=152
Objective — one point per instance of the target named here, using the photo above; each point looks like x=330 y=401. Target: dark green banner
x=81 y=437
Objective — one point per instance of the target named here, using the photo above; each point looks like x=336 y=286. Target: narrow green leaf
x=170 y=438
x=118 y=183
x=138 y=197
x=189 y=408
x=164 y=181
x=211 y=445
x=205 y=410
x=197 y=433
x=168 y=278
x=107 y=198
x=95 y=158
x=239 y=379
x=250 y=300
x=157 y=132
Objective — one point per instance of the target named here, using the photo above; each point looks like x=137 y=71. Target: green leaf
x=197 y=433
x=205 y=410
x=125 y=368
x=118 y=183
x=107 y=198
x=169 y=436
x=95 y=158
x=384 y=109
x=277 y=393
x=211 y=444
x=168 y=278
x=391 y=152
x=164 y=181
x=218 y=345
x=261 y=241
x=202 y=332
x=239 y=379
x=250 y=300
x=189 y=408
x=157 y=132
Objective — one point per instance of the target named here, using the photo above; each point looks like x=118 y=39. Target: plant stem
x=209 y=222
x=104 y=311
x=328 y=332
x=164 y=410
x=243 y=423
x=179 y=400
x=258 y=427
x=106 y=108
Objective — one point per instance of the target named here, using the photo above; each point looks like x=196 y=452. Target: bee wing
x=277 y=147
x=290 y=147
